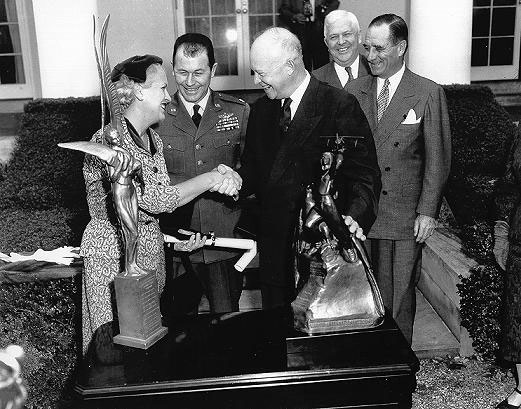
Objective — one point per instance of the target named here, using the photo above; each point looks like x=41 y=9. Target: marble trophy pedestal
x=139 y=316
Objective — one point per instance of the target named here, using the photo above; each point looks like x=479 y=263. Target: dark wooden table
x=255 y=360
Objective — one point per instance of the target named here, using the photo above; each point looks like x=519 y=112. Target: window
x=495 y=40
x=232 y=26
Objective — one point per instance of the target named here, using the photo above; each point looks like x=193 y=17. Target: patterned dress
x=102 y=246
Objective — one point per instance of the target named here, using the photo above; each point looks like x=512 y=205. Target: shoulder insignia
x=231 y=98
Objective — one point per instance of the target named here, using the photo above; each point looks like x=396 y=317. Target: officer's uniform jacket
x=190 y=151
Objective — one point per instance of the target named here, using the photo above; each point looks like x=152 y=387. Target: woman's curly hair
x=126 y=88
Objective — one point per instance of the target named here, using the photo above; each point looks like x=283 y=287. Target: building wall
x=140 y=27
x=366 y=14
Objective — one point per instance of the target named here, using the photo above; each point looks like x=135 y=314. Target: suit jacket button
x=387 y=169
x=384 y=192
x=199 y=162
x=197 y=146
x=169 y=146
x=396 y=143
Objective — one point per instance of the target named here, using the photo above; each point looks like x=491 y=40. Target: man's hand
x=354 y=227
x=229 y=182
x=424 y=226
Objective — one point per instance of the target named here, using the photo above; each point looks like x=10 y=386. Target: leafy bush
x=480 y=304
x=478 y=241
x=41 y=175
x=41 y=317
x=482 y=134
x=29 y=230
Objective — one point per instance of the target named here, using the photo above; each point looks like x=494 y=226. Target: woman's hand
x=195 y=242
x=228 y=182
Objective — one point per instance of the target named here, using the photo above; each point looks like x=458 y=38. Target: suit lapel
x=332 y=77
x=403 y=99
x=301 y=128
x=367 y=100
x=182 y=119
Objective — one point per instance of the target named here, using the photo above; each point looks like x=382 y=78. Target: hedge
x=482 y=134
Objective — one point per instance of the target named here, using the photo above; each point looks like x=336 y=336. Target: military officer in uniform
x=202 y=129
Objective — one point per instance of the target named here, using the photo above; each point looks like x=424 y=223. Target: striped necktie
x=383 y=99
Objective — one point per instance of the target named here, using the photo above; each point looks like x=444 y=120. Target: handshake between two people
x=227 y=181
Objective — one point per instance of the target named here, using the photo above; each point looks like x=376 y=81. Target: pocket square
x=411 y=119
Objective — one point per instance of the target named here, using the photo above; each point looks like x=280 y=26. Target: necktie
x=383 y=99
x=196 y=117
x=285 y=115
x=349 y=74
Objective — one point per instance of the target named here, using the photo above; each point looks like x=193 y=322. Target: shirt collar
x=394 y=81
x=343 y=76
x=190 y=105
x=297 y=95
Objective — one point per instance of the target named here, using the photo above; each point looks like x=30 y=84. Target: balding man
x=283 y=150
x=342 y=38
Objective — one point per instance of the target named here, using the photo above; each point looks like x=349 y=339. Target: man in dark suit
x=342 y=37
x=305 y=19
x=410 y=123
x=283 y=150
x=204 y=128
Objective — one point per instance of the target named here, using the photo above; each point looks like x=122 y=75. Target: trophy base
x=139 y=342
x=138 y=311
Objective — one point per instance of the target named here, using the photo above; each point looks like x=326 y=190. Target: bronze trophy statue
x=137 y=297
x=340 y=292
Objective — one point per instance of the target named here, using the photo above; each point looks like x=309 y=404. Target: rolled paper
x=245 y=244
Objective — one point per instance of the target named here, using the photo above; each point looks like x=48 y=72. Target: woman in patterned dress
x=142 y=87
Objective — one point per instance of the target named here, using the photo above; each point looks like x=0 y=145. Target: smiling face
x=342 y=40
x=272 y=70
x=192 y=74
x=154 y=94
x=384 y=57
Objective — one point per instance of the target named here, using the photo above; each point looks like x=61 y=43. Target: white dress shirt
x=394 y=81
x=342 y=74
x=297 y=95
x=190 y=105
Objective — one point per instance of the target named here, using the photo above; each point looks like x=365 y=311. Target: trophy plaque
x=138 y=311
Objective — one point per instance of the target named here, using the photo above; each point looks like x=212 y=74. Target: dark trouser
x=397 y=265
x=221 y=283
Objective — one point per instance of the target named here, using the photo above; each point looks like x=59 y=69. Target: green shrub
x=41 y=175
x=29 y=230
x=41 y=317
x=478 y=241
x=482 y=134
x=480 y=307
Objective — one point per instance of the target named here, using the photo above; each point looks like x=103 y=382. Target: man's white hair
x=288 y=42
x=337 y=15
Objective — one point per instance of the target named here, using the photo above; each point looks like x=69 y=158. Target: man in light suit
x=202 y=129
x=342 y=38
x=410 y=123
x=283 y=151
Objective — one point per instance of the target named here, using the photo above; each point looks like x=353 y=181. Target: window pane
x=259 y=23
x=504 y=2
x=11 y=70
x=227 y=60
x=480 y=22
x=501 y=51
x=220 y=7
x=261 y=7
x=479 y=56
x=10 y=39
x=481 y=3
x=198 y=25
x=196 y=8
x=503 y=21
x=8 y=11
